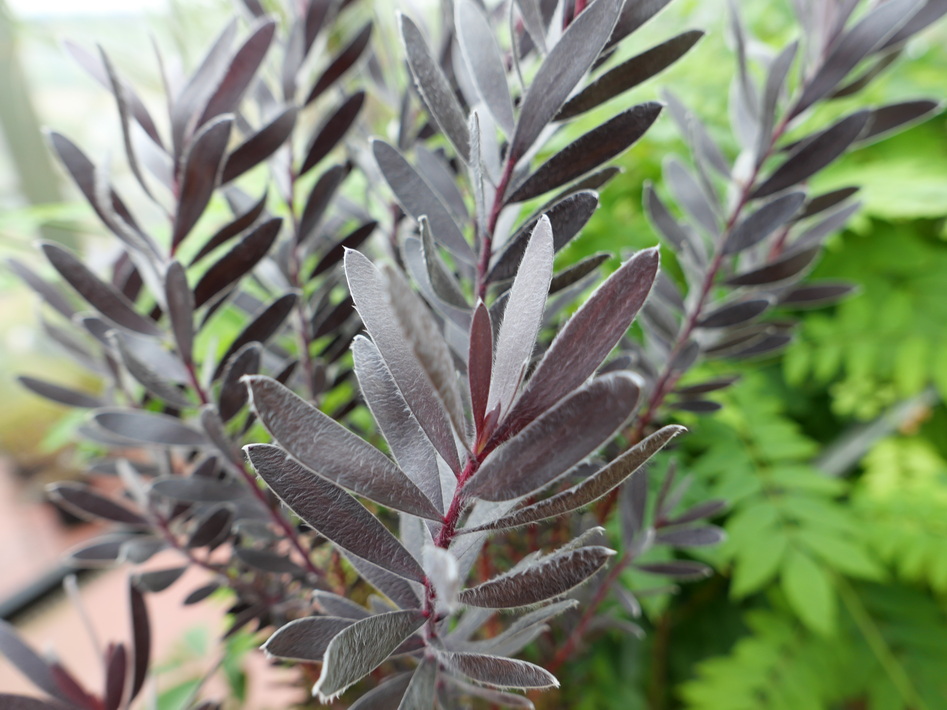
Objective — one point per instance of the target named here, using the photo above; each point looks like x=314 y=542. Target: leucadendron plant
x=429 y=543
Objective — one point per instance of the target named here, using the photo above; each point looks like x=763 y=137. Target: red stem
x=486 y=252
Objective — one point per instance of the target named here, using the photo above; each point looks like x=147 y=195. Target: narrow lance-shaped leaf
x=812 y=156
x=179 y=302
x=362 y=647
x=590 y=335
x=242 y=221
x=386 y=696
x=556 y=441
x=480 y=363
x=548 y=578
x=81 y=500
x=50 y=293
x=28 y=662
x=629 y=74
x=320 y=197
x=344 y=61
x=561 y=71
x=428 y=344
x=332 y=131
x=895 y=117
x=332 y=451
x=148 y=427
x=60 y=394
x=775 y=84
x=104 y=297
x=434 y=88
x=787 y=267
x=498 y=672
x=480 y=50
x=733 y=314
x=588 y=152
x=368 y=288
x=237 y=262
x=306 y=639
x=691 y=195
x=332 y=512
x=418 y=199
x=421 y=689
x=591 y=489
x=202 y=165
x=522 y=317
x=260 y=146
x=767 y=219
x=233 y=393
x=263 y=326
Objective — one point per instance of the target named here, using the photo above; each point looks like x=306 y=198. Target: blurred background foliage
x=831 y=588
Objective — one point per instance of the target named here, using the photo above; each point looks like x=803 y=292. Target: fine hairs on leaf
x=372 y=359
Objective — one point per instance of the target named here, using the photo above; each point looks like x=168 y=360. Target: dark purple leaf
x=435 y=90
x=330 y=320
x=554 y=442
x=159 y=580
x=60 y=394
x=768 y=345
x=784 y=268
x=305 y=640
x=332 y=131
x=546 y=578
x=154 y=383
x=756 y=227
x=237 y=262
x=633 y=16
x=677 y=235
x=813 y=155
x=148 y=427
x=268 y=561
x=629 y=74
x=826 y=201
x=691 y=195
x=734 y=313
x=698 y=406
x=370 y=291
x=318 y=202
x=499 y=672
x=707 y=509
x=603 y=143
x=212 y=530
x=179 y=303
x=233 y=393
x=480 y=363
x=867 y=35
x=561 y=71
x=816 y=294
x=116 y=671
x=931 y=11
x=703 y=536
x=360 y=648
x=341 y=63
x=241 y=71
x=332 y=451
x=86 y=503
x=417 y=198
x=104 y=297
x=577 y=272
x=201 y=170
x=589 y=490
x=678 y=569
x=351 y=241
x=896 y=116
x=232 y=229
x=708 y=386
x=587 y=338
x=50 y=293
x=484 y=62
x=263 y=326
x=775 y=86
x=29 y=663
x=815 y=235
x=566 y=216
x=103 y=551
x=332 y=512
x=260 y=146
x=522 y=317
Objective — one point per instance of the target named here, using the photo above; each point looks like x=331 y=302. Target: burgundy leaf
x=332 y=512
x=263 y=326
x=341 y=63
x=201 y=169
x=351 y=241
x=587 y=338
x=557 y=440
x=260 y=146
x=754 y=228
x=360 y=648
x=332 y=131
x=561 y=71
x=237 y=262
x=826 y=201
x=232 y=229
x=629 y=74
x=241 y=71
x=211 y=531
x=116 y=671
x=179 y=301
x=318 y=201
x=104 y=297
x=29 y=663
x=784 y=268
x=707 y=386
x=233 y=393
x=817 y=294
x=305 y=640
x=480 y=363
x=332 y=451
x=734 y=313
x=896 y=116
x=577 y=272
